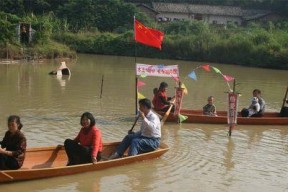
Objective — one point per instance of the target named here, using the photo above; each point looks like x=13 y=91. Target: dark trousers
x=78 y=154
x=7 y=162
x=138 y=144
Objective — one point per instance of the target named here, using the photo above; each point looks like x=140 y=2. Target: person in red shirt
x=87 y=146
x=160 y=101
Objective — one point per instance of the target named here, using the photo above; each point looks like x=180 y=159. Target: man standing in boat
x=145 y=140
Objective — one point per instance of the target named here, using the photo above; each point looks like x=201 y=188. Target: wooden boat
x=196 y=116
x=51 y=161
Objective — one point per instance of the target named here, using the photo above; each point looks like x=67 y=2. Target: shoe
x=114 y=156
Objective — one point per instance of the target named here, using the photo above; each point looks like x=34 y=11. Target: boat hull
x=196 y=116
x=51 y=161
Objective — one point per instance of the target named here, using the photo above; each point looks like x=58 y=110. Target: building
x=212 y=14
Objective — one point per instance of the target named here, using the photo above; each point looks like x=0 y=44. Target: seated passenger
x=87 y=146
x=254 y=108
x=145 y=140
x=162 y=102
x=13 y=145
x=210 y=108
x=260 y=113
x=284 y=110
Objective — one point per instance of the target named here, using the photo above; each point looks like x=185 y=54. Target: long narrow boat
x=196 y=116
x=51 y=161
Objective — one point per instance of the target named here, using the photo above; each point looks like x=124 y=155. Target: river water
x=201 y=157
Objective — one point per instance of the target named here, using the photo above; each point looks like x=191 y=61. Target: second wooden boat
x=196 y=116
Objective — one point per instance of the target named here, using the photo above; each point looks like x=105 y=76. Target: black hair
x=145 y=102
x=257 y=91
x=155 y=90
x=89 y=116
x=16 y=118
x=163 y=85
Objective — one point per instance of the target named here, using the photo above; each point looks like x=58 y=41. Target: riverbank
x=246 y=47
x=49 y=50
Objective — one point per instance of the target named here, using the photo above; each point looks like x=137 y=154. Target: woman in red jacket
x=87 y=146
x=160 y=101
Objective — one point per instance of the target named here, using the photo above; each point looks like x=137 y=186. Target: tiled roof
x=198 y=9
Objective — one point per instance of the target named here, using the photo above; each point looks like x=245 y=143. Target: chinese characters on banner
x=232 y=108
x=157 y=70
x=178 y=100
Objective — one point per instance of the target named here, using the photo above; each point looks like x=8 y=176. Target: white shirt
x=151 y=126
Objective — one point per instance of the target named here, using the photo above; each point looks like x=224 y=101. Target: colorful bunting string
x=206 y=67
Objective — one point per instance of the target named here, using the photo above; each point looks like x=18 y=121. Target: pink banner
x=178 y=100
x=157 y=70
x=232 y=108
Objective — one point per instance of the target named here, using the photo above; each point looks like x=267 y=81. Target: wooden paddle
x=285 y=97
x=167 y=113
x=136 y=119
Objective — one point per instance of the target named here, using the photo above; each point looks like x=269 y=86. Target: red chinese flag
x=147 y=36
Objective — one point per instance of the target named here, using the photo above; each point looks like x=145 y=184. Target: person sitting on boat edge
x=254 y=108
x=210 y=108
x=161 y=101
x=87 y=146
x=13 y=145
x=145 y=140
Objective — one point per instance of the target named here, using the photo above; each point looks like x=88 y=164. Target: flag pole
x=136 y=78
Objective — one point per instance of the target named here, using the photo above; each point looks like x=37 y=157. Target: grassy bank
x=49 y=50
x=257 y=47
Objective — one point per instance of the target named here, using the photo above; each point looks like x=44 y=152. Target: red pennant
x=206 y=67
x=228 y=78
x=140 y=83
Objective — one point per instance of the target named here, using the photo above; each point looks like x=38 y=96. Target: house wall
x=172 y=16
x=222 y=20
x=211 y=19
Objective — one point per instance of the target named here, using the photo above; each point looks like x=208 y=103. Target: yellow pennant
x=140 y=96
x=185 y=91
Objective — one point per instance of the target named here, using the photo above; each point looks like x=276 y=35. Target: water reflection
x=201 y=157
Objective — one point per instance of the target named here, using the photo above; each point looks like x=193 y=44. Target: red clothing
x=90 y=137
x=158 y=101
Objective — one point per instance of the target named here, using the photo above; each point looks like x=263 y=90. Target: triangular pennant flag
x=185 y=91
x=192 y=75
x=176 y=79
x=216 y=70
x=140 y=96
x=228 y=78
x=182 y=118
x=206 y=67
x=140 y=83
